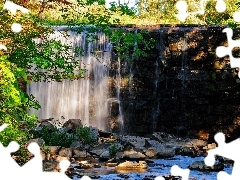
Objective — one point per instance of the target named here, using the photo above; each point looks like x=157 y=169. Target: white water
x=85 y=98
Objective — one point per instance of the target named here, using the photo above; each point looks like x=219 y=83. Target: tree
x=16 y=63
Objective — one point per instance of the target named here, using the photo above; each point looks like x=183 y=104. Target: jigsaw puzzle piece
x=159 y=178
x=182 y=10
x=35 y=164
x=222 y=175
x=177 y=171
x=222 y=51
x=221 y=6
x=85 y=178
x=228 y=150
x=13 y=8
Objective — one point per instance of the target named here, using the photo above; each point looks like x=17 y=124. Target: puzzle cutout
x=34 y=168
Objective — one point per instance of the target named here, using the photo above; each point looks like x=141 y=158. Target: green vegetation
x=85 y=135
x=113 y=149
x=23 y=55
x=54 y=137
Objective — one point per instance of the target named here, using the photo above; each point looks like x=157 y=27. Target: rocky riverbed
x=114 y=156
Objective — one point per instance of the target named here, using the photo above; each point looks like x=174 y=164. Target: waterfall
x=85 y=98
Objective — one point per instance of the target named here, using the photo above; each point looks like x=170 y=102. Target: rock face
x=181 y=85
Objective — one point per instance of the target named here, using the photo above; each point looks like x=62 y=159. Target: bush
x=85 y=135
x=54 y=137
x=113 y=150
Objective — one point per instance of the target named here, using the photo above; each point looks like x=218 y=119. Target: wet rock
x=52 y=149
x=185 y=151
x=157 y=136
x=135 y=142
x=111 y=164
x=105 y=155
x=167 y=152
x=130 y=165
x=76 y=145
x=104 y=134
x=155 y=144
x=151 y=152
x=80 y=154
x=72 y=124
x=210 y=146
x=201 y=166
x=65 y=152
x=133 y=155
x=99 y=149
x=50 y=166
x=85 y=165
x=60 y=158
x=47 y=125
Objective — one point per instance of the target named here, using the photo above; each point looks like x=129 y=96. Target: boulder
x=151 y=152
x=80 y=154
x=99 y=149
x=130 y=165
x=76 y=145
x=50 y=166
x=72 y=124
x=133 y=155
x=105 y=155
x=65 y=152
x=201 y=166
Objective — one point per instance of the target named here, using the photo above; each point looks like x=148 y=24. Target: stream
x=157 y=167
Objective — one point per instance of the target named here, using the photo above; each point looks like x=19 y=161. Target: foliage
x=18 y=65
x=113 y=149
x=54 y=137
x=13 y=106
x=85 y=135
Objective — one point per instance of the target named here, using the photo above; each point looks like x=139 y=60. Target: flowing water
x=84 y=99
x=159 y=167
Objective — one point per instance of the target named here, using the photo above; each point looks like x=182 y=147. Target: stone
x=76 y=145
x=167 y=152
x=99 y=149
x=65 y=152
x=60 y=158
x=85 y=165
x=47 y=125
x=130 y=165
x=50 y=166
x=151 y=152
x=157 y=137
x=111 y=164
x=133 y=141
x=53 y=149
x=105 y=155
x=201 y=166
x=152 y=143
x=80 y=154
x=185 y=151
x=72 y=124
x=133 y=155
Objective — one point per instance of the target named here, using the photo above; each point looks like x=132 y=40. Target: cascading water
x=85 y=98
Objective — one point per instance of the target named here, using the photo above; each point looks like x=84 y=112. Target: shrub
x=113 y=150
x=54 y=137
x=85 y=135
